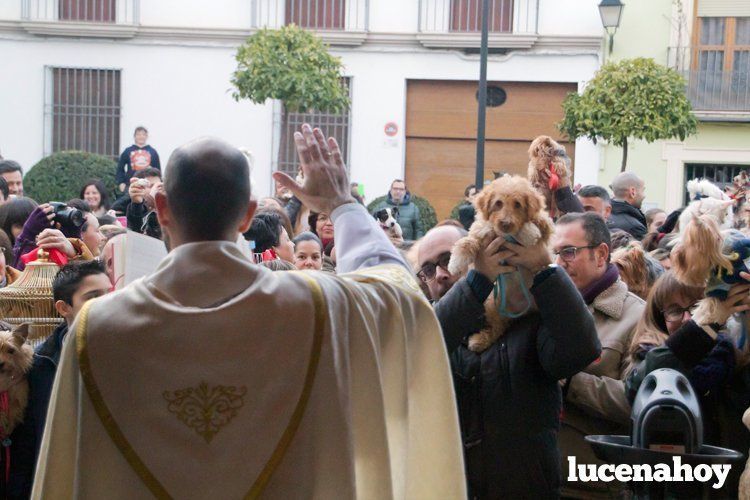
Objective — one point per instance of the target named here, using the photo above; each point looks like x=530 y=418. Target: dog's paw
x=463 y=254
x=458 y=264
x=479 y=342
x=529 y=234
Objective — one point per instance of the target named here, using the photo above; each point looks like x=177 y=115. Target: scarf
x=54 y=255
x=609 y=278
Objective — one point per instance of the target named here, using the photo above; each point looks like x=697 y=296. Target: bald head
x=432 y=246
x=439 y=239
x=623 y=182
x=629 y=187
x=207 y=183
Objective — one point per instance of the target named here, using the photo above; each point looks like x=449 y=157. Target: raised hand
x=53 y=238
x=326 y=183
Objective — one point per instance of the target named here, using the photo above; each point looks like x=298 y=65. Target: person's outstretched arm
x=360 y=242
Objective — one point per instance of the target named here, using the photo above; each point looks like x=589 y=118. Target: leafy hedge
x=426 y=211
x=60 y=176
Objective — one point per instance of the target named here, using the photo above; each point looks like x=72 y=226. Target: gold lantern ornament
x=29 y=299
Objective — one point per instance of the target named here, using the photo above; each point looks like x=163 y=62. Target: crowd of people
x=608 y=309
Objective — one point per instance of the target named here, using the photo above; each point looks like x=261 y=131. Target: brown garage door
x=441 y=127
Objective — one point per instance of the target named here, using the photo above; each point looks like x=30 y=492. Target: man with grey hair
x=628 y=190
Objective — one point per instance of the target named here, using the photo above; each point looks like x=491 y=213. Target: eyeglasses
x=429 y=269
x=568 y=254
x=674 y=314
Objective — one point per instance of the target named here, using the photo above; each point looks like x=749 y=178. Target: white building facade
x=166 y=64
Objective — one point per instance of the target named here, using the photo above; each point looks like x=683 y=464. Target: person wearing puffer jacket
x=408 y=216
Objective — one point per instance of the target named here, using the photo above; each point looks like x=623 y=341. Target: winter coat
x=27 y=438
x=143 y=220
x=466 y=215
x=508 y=396
x=707 y=363
x=120 y=206
x=408 y=216
x=567 y=201
x=595 y=401
x=628 y=218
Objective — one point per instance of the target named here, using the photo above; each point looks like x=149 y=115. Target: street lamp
x=610 y=12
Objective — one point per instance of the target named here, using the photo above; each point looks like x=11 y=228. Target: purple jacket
x=26 y=241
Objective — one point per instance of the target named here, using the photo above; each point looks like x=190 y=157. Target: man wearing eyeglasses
x=509 y=399
x=595 y=401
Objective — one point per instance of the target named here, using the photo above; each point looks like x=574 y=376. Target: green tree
x=60 y=176
x=293 y=66
x=632 y=98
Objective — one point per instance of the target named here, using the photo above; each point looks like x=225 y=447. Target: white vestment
x=185 y=384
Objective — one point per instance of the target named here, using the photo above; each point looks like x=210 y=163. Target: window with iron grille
x=84 y=110
x=466 y=15
x=97 y=11
x=316 y=14
x=721 y=175
x=334 y=125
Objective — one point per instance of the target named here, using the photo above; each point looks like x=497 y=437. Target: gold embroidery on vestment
x=206 y=409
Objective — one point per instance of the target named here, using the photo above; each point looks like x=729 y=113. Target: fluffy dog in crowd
x=698 y=251
x=631 y=262
x=15 y=361
x=707 y=256
x=738 y=189
x=549 y=168
x=707 y=198
x=509 y=207
x=386 y=217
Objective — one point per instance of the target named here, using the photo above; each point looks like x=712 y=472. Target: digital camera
x=67 y=217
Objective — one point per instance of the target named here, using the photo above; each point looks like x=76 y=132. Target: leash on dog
x=500 y=290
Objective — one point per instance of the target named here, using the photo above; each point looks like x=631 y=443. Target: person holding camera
x=141 y=213
x=52 y=225
x=152 y=175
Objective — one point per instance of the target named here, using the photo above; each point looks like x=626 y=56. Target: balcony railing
x=457 y=23
x=100 y=18
x=82 y=11
x=338 y=21
x=714 y=90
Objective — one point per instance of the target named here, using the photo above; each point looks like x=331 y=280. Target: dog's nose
x=505 y=226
